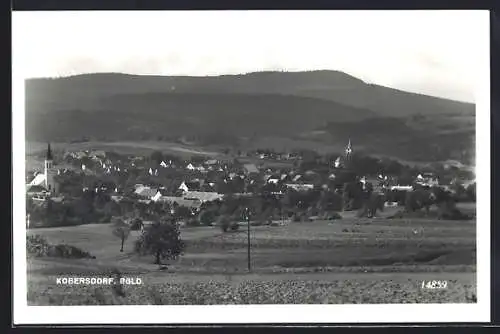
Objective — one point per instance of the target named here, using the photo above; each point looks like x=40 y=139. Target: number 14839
x=434 y=284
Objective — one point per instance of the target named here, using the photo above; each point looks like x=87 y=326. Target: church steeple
x=49 y=153
x=49 y=171
x=348 y=149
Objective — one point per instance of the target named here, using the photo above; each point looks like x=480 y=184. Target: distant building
x=146 y=192
x=211 y=162
x=251 y=169
x=401 y=188
x=193 y=204
x=203 y=196
x=300 y=187
x=427 y=179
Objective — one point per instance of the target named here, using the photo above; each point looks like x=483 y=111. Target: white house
x=273 y=181
x=300 y=187
x=203 y=196
x=402 y=188
x=183 y=186
x=190 y=167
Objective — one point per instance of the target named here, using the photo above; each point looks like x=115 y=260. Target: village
x=320 y=185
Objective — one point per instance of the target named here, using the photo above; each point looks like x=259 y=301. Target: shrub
x=135 y=224
x=207 y=217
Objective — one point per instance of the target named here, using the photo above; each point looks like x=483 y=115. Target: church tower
x=348 y=154
x=50 y=184
x=348 y=151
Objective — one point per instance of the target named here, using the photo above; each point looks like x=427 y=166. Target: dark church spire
x=49 y=152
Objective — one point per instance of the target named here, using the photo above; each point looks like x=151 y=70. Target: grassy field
x=345 y=261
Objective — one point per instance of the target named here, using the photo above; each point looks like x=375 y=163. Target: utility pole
x=248 y=240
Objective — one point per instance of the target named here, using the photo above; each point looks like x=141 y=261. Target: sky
x=429 y=52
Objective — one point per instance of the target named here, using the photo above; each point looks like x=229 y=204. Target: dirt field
x=388 y=259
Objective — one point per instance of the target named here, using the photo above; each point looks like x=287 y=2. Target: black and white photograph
x=251 y=166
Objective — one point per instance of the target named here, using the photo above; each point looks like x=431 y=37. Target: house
x=38 y=180
x=146 y=192
x=190 y=186
x=194 y=204
x=401 y=188
x=97 y=154
x=78 y=155
x=300 y=187
x=162 y=192
x=250 y=169
x=203 y=196
x=201 y=169
x=116 y=198
x=427 y=179
x=273 y=180
x=183 y=186
x=36 y=190
x=211 y=162
x=190 y=167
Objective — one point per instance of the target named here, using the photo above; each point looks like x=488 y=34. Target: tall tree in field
x=121 y=230
x=162 y=240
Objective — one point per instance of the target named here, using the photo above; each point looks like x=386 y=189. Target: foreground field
x=345 y=261
x=266 y=289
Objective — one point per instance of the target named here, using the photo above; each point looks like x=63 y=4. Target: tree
x=471 y=192
x=374 y=202
x=162 y=240
x=418 y=199
x=135 y=224
x=207 y=217
x=121 y=230
x=224 y=222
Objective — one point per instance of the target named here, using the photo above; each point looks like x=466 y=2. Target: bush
x=68 y=252
x=450 y=212
x=224 y=222
x=193 y=222
x=135 y=224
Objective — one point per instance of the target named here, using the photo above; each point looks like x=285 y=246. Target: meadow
x=344 y=261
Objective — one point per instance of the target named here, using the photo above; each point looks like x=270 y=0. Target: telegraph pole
x=248 y=240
